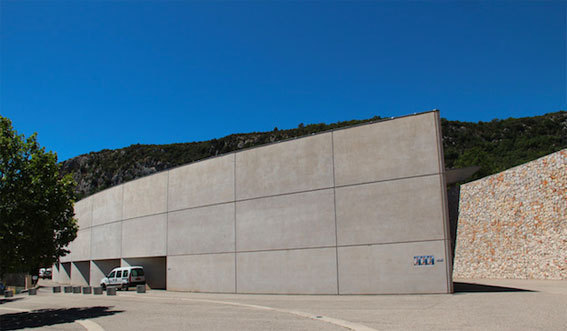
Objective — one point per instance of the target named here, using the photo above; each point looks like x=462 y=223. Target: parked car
x=124 y=277
x=45 y=273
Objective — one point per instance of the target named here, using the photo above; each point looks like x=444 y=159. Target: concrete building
x=359 y=210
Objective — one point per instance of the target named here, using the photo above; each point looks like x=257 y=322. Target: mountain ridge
x=495 y=146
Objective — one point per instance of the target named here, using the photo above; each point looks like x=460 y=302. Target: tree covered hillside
x=495 y=146
x=501 y=144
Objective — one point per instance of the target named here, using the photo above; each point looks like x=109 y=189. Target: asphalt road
x=477 y=305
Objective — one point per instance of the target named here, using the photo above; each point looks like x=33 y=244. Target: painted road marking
x=335 y=321
x=89 y=325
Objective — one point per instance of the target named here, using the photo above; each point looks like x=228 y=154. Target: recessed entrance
x=101 y=268
x=154 y=269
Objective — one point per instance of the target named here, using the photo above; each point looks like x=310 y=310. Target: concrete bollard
x=68 y=289
x=87 y=290
x=8 y=294
x=76 y=290
x=141 y=288
x=32 y=291
x=111 y=291
x=97 y=290
x=56 y=289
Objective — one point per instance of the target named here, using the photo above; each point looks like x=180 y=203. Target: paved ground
x=494 y=305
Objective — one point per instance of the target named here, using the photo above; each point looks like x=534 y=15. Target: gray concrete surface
x=493 y=305
x=395 y=274
x=152 y=201
x=106 y=241
x=64 y=273
x=55 y=270
x=83 y=212
x=202 y=273
x=403 y=210
x=107 y=205
x=400 y=148
x=144 y=236
x=289 y=221
x=201 y=230
x=276 y=218
x=202 y=183
x=80 y=247
x=80 y=273
x=302 y=271
x=292 y=166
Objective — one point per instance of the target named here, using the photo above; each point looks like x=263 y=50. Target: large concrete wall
x=514 y=224
x=341 y=212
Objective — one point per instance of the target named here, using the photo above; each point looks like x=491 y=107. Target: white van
x=124 y=277
x=44 y=273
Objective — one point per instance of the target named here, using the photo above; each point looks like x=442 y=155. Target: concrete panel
x=144 y=236
x=201 y=273
x=100 y=268
x=68 y=257
x=202 y=183
x=391 y=149
x=107 y=205
x=305 y=271
x=288 y=221
x=65 y=273
x=80 y=247
x=201 y=230
x=83 y=213
x=390 y=269
x=80 y=273
x=393 y=211
x=106 y=241
x=55 y=273
x=292 y=166
x=145 y=196
x=154 y=270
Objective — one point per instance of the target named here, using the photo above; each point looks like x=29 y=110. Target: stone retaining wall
x=514 y=224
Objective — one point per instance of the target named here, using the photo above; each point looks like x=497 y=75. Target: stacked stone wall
x=514 y=224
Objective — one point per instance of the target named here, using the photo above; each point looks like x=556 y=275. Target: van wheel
x=124 y=287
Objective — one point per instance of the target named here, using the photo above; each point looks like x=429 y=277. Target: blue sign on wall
x=423 y=260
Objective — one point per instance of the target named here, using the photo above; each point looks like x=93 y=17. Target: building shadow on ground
x=47 y=317
x=460 y=287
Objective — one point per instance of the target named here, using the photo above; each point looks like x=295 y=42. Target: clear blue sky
x=90 y=75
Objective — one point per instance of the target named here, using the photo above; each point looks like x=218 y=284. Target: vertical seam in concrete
x=91 y=244
x=335 y=209
x=166 y=227
x=122 y=222
x=234 y=219
x=443 y=192
x=167 y=219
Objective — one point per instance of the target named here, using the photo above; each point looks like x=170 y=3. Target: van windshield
x=137 y=272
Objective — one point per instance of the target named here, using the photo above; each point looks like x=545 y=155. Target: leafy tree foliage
x=501 y=144
x=36 y=204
